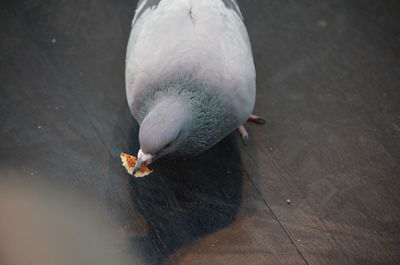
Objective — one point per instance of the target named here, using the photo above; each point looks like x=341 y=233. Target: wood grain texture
x=328 y=78
x=329 y=91
x=254 y=237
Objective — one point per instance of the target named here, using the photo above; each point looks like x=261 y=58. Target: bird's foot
x=256 y=119
x=243 y=132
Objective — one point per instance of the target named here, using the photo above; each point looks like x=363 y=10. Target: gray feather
x=147 y=4
x=190 y=78
x=213 y=118
x=231 y=4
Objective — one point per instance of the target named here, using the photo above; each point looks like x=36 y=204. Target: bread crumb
x=129 y=162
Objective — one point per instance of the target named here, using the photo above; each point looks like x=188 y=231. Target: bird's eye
x=168 y=145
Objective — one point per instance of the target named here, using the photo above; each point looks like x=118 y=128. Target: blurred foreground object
x=47 y=225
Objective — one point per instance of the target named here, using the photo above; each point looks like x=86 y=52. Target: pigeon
x=190 y=76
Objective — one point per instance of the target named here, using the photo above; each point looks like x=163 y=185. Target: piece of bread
x=129 y=163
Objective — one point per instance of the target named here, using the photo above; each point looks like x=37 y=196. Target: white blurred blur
x=47 y=225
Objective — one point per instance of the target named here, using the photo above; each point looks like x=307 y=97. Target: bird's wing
x=143 y=5
x=232 y=4
x=206 y=38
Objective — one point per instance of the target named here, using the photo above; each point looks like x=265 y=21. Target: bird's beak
x=142 y=158
x=138 y=164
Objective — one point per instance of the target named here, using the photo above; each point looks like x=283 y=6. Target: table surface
x=328 y=85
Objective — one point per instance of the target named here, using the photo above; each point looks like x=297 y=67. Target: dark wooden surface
x=328 y=80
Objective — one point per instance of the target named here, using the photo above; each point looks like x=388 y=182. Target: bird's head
x=164 y=129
